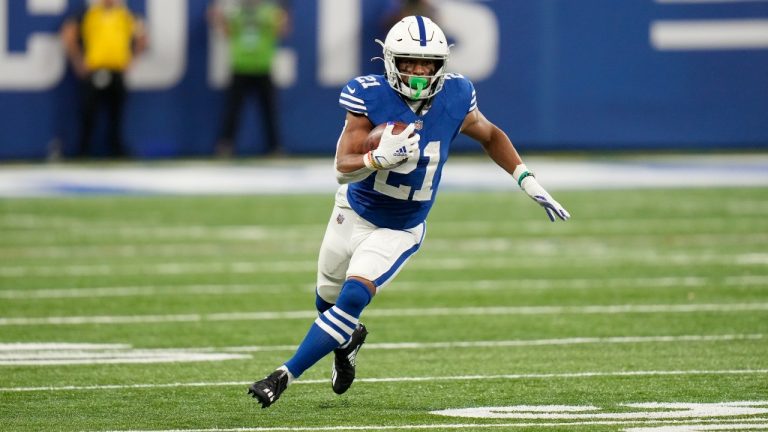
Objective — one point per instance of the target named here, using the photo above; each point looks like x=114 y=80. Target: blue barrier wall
x=555 y=74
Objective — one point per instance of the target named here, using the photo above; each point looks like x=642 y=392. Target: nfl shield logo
x=419 y=124
x=340 y=219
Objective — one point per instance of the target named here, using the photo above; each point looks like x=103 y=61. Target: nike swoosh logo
x=351 y=90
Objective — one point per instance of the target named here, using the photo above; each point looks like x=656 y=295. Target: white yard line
x=111 y=228
x=74 y=258
x=145 y=357
x=37 y=354
x=607 y=257
x=682 y=426
x=45 y=354
x=577 y=375
x=421 y=312
x=21 y=347
x=511 y=343
x=441 y=285
x=151 y=291
x=476 y=243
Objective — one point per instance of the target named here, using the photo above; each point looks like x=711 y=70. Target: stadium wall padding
x=556 y=75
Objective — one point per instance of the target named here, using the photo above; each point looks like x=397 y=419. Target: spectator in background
x=400 y=9
x=253 y=28
x=101 y=43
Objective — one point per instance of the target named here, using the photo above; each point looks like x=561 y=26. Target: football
x=374 y=137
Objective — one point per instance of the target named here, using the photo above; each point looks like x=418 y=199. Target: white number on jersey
x=402 y=192
x=367 y=81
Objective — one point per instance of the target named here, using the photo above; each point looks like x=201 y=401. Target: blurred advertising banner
x=554 y=74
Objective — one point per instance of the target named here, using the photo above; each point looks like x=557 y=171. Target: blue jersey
x=401 y=198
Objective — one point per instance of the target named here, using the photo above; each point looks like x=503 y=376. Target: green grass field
x=645 y=296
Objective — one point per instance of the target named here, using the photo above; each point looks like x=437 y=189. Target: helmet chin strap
x=419 y=84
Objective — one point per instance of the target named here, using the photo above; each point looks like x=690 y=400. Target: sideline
x=299 y=176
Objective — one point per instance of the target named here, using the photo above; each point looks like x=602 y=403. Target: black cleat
x=343 y=369
x=268 y=390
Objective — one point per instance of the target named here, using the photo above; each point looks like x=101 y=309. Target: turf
x=644 y=296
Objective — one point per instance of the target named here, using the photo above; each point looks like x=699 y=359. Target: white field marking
x=680 y=224
x=437 y=285
x=545 y=376
x=159 y=269
x=4 y=347
x=608 y=257
x=476 y=231
x=643 y=411
x=462 y=311
x=153 y=291
x=753 y=258
x=193 y=249
x=703 y=427
x=622 y=226
x=538 y=257
x=468 y=244
x=136 y=358
x=578 y=283
x=176 y=250
x=113 y=229
x=591 y=244
x=510 y=343
x=80 y=354
x=745 y=425
x=99 y=227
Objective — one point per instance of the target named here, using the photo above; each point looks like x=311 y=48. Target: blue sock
x=321 y=304
x=354 y=297
x=332 y=328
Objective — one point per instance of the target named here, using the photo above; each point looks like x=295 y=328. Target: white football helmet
x=416 y=37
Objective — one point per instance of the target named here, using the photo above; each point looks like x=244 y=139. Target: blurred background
x=557 y=75
x=647 y=119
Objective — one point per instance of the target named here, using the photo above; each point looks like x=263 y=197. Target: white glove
x=531 y=186
x=393 y=150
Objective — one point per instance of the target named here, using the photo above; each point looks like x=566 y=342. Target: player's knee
x=355 y=296
x=370 y=285
x=320 y=303
x=329 y=292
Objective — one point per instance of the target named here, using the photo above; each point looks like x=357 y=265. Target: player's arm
x=495 y=142
x=392 y=151
x=500 y=148
x=350 y=166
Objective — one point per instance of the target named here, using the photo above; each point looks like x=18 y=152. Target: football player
x=378 y=221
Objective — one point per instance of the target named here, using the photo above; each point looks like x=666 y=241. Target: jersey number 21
x=424 y=193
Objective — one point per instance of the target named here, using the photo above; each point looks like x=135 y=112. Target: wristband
x=520 y=173
x=370 y=162
x=523 y=176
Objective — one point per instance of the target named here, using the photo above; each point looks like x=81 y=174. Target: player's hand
x=532 y=187
x=394 y=149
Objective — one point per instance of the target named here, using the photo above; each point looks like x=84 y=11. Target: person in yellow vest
x=101 y=43
x=254 y=29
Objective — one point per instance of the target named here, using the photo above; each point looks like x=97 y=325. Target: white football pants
x=353 y=246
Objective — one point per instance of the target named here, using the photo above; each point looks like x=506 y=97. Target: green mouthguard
x=419 y=84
